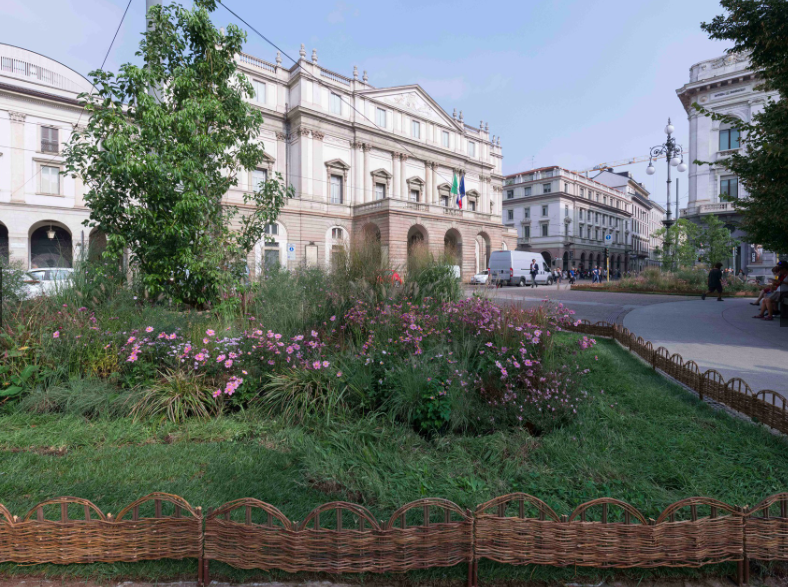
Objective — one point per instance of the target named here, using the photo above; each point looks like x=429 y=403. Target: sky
x=572 y=83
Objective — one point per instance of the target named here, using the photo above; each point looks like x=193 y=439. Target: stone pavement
x=721 y=336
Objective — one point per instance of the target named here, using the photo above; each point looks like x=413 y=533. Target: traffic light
x=607 y=253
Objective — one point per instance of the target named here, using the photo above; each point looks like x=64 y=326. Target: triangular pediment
x=415 y=100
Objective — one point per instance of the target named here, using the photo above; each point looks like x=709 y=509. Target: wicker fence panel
x=713 y=385
x=675 y=366
x=363 y=546
x=771 y=408
x=691 y=376
x=766 y=529
x=150 y=535
x=267 y=544
x=662 y=359
x=738 y=395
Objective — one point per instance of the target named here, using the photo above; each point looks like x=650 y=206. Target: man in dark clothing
x=534 y=270
x=715 y=282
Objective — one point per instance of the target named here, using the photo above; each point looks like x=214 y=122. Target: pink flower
x=228 y=363
x=314 y=334
x=210 y=332
x=333 y=318
x=339 y=373
x=56 y=334
x=149 y=329
x=325 y=364
x=316 y=365
x=220 y=358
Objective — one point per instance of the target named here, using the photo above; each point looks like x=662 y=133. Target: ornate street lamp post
x=672 y=152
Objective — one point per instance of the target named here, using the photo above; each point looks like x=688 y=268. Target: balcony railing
x=250 y=60
x=727 y=207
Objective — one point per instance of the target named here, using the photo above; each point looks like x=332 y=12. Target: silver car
x=45 y=281
x=480 y=278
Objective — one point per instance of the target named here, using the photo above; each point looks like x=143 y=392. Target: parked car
x=45 y=281
x=514 y=268
x=480 y=278
x=390 y=277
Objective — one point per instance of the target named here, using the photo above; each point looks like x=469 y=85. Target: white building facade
x=362 y=160
x=647 y=218
x=724 y=85
x=41 y=211
x=565 y=216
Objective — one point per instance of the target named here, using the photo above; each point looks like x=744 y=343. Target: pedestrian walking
x=571 y=276
x=558 y=278
x=534 y=271
x=715 y=282
x=595 y=275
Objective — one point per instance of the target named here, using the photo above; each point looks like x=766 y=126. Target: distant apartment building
x=724 y=85
x=566 y=216
x=647 y=217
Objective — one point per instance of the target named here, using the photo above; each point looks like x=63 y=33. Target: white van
x=514 y=268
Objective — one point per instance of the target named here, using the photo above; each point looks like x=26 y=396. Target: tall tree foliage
x=157 y=167
x=707 y=242
x=760 y=27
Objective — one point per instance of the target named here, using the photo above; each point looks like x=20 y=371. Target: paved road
x=716 y=335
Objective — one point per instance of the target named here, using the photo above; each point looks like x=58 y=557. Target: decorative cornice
x=316 y=134
x=303 y=131
x=281 y=136
x=16 y=116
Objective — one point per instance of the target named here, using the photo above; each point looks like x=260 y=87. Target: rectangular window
x=335 y=104
x=509 y=194
x=336 y=233
x=49 y=142
x=336 y=189
x=50 y=180
x=729 y=139
x=604 y=200
x=528 y=191
x=471 y=149
x=597 y=234
x=566 y=211
x=510 y=214
x=414 y=195
x=445 y=139
x=445 y=201
x=527 y=212
x=472 y=205
x=272 y=229
x=527 y=231
x=259 y=92
x=597 y=197
x=580 y=213
x=544 y=229
x=547 y=188
x=580 y=230
x=258 y=176
x=581 y=192
x=416 y=129
x=730 y=187
x=380 y=191
x=381 y=116
x=596 y=217
x=544 y=210
x=566 y=187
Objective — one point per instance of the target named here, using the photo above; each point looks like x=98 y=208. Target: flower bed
x=684 y=282
x=461 y=365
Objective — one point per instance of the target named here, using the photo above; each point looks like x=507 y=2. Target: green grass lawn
x=640 y=438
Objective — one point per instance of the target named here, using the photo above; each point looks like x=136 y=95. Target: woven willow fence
x=766 y=406
x=339 y=537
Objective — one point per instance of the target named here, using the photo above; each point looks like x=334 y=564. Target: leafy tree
x=683 y=239
x=715 y=241
x=157 y=165
x=760 y=27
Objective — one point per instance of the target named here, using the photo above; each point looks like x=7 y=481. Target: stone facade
x=647 y=217
x=565 y=216
x=724 y=85
x=361 y=160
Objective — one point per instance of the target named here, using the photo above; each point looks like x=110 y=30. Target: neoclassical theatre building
x=363 y=161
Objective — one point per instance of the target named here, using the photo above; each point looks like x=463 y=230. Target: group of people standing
x=770 y=296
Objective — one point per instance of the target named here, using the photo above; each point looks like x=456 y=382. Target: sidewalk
x=721 y=336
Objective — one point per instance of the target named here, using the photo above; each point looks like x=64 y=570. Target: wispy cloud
x=340 y=12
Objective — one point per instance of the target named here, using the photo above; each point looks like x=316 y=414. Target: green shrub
x=88 y=398
x=176 y=397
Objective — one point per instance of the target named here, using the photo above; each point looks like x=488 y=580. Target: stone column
x=319 y=177
x=429 y=195
x=304 y=172
x=395 y=169
x=403 y=172
x=18 y=156
x=368 y=195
